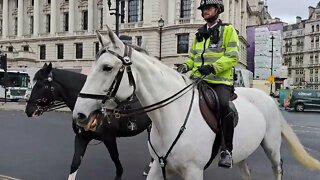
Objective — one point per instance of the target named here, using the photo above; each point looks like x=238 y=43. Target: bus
x=244 y=78
x=17 y=85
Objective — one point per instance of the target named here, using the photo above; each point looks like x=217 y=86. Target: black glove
x=183 y=68
x=206 y=69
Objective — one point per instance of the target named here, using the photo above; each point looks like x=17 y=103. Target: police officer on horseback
x=214 y=53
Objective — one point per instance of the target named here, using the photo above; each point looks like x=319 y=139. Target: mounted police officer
x=214 y=53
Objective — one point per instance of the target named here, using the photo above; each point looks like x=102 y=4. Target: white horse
x=260 y=121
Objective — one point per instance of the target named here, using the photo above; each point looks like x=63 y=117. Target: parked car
x=301 y=99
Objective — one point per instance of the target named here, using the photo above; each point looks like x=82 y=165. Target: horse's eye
x=106 y=68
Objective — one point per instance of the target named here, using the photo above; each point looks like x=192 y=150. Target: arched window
x=317 y=27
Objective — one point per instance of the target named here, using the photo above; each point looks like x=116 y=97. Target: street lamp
x=160 y=24
x=271 y=72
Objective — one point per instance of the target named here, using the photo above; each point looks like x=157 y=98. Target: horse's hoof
x=117 y=178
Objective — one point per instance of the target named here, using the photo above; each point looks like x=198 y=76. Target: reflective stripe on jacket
x=223 y=55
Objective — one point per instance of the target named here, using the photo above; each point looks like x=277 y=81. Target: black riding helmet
x=218 y=3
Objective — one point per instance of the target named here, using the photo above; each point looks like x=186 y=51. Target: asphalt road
x=42 y=149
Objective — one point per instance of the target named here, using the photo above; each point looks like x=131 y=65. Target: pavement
x=20 y=106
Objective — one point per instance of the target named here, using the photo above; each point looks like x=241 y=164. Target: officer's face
x=210 y=12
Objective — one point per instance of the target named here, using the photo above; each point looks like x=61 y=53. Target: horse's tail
x=296 y=148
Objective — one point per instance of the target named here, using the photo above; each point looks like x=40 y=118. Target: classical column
x=226 y=15
x=5 y=19
x=171 y=12
x=71 y=16
x=90 y=16
x=53 y=17
x=36 y=18
x=20 y=18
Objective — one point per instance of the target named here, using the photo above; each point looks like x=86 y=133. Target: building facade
x=301 y=49
x=63 y=31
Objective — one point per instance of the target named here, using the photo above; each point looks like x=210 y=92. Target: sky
x=287 y=10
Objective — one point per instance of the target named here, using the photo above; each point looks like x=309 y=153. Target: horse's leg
x=147 y=168
x=111 y=144
x=80 y=146
x=155 y=172
x=193 y=174
x=244 y=170
x=272 y=148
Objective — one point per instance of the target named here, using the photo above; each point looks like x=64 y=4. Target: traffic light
x=3 y=61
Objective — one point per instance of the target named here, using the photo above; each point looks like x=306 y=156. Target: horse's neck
x=156 y=82
x=71 y=83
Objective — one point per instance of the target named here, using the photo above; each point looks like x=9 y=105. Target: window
x=312 y=28
x=133 y=10
x=97 y=48
x=31 y=25
x=25 y=48
x=84 y=22
x=183 y=43
x=60 y=51
x=311 y=71
x=317 y=27
x=10 y=48
x=49 y=1
x=79 y=50
x=297 y=71
x=17 y=2
x=122 y=11
x=42 y=52
x=66 y=21
x=139 y=40
x=32 y=2
x=316 y=79
x=15 y=28
x=289 y=72
x=316 y=71
x=48 y=23
x=301 y=71
x=185 y=9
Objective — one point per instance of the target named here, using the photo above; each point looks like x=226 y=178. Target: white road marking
x=3 y=177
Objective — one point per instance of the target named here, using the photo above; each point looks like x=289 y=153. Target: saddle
x=210 y=106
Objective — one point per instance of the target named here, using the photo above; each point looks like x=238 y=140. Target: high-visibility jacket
x=219 y=47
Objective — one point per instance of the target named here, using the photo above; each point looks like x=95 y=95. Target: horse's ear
x=111 y=38
x=45 y=66
x=103 y=41
x=49 y=68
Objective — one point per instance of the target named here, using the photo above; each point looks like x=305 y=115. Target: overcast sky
x=287 y=10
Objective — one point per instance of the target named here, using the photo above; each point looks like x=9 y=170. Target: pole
x=271 y=72
x=117 y=17
x=116 y=13
x=160 y=49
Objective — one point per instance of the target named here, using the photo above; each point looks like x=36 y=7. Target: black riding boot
x=227 y=126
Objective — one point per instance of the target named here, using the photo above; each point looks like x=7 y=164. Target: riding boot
x=227 y=127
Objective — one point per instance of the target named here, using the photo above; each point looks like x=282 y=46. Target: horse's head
x=111 y=80
x=44 y=92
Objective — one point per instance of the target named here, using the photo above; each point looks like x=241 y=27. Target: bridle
x=111 y=95
x=47 y=102
x=126 y=66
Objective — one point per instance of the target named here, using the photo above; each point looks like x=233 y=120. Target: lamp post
x=271 y=69
x=160 y=24
x=116 y=13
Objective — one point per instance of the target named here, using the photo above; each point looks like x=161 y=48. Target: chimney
x=311 y=10
x=298 y=19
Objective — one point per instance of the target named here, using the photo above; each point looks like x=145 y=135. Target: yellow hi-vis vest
x=222 y=55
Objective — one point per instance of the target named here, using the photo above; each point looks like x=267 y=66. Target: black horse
x=55 y=88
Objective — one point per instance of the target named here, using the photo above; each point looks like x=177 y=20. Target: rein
x=111 y=95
